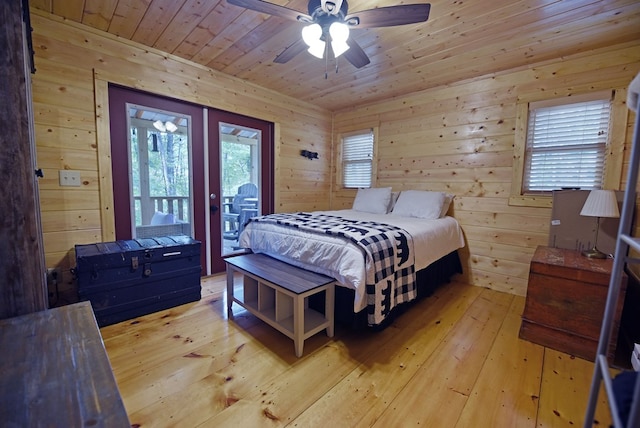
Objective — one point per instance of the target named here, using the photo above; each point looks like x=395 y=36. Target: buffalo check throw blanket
x=388 y=252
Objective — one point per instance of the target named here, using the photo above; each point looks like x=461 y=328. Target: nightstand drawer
x=564 y=304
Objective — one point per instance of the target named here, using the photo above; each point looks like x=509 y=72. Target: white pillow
x=448 y=198
x=162 y=218
x=374 y=200
x=420 y=204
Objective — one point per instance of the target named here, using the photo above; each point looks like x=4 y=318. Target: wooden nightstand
x=565 y=302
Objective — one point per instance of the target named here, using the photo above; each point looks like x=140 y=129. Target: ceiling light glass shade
x=171 y=127
x=339 y=48
x=317 y=49
x=159 y=126
x=165 y=126
x=311 y=34
x=339 y=34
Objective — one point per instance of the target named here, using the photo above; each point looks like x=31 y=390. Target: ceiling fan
x=328 y=24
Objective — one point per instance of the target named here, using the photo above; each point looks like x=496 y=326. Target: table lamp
x=599 y=203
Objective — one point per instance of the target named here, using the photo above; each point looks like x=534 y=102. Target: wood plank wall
x=457 y=138
x=69 y=56
x=460 y=138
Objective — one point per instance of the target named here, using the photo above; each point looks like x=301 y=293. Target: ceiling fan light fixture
x=171 y=127
x=311 y=34
x=339 y=33
x=159 y=125
x=167 y=126
x=317 y=49
x=339 y=48
x=323 y=13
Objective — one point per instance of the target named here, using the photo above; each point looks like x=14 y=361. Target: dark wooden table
x=54 y=371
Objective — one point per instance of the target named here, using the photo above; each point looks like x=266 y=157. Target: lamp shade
x=601 y=203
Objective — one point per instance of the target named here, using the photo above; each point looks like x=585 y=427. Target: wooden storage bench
x=277 y=293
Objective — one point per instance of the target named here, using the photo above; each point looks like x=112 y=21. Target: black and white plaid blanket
x=388 y=252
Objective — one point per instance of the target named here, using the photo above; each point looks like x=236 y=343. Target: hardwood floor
x=452 y=360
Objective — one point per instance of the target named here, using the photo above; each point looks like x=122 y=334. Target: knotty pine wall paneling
x=74 y=64
x=459 y=139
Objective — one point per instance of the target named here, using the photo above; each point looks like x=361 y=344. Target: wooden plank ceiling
x=461 y=40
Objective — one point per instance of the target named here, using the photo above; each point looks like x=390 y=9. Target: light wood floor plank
x=154 y=347
x=507 y=391
x=452 y=358
x=452 y=370
x=382 y=375
x=565 y=391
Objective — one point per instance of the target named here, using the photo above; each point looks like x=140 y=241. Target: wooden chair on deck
x=239 y=210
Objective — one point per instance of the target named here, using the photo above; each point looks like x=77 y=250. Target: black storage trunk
x=129 y=278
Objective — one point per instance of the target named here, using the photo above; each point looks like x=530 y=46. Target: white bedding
x=331 y=256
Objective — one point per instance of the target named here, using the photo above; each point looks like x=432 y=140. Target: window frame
x=368 y=130
x=614 y=153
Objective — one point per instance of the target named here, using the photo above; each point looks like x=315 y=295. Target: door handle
x=213 y=208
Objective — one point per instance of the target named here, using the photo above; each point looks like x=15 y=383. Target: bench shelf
x=278 y=293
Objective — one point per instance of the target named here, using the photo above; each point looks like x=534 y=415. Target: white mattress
x=331 y=256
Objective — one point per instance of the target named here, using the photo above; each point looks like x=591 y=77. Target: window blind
x=357 y=159
x=566 y=146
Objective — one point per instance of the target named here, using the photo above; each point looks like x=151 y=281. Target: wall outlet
x=69 y=178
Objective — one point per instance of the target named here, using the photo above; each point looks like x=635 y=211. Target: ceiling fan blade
x=270 y=8
x=294 y=49
x=355 y=55
x=391 y=15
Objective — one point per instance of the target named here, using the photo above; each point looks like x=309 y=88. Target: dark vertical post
x=22 y=271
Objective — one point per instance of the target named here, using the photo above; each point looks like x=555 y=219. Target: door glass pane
x=240 y=180
x=160 y=167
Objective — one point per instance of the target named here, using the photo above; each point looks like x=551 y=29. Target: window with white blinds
x=357 y=159
x=566 y=144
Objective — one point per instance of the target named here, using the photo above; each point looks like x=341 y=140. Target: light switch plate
x=69 y=178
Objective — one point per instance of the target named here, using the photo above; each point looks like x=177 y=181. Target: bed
x=414 y=248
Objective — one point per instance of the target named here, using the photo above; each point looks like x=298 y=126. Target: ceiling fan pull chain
x=326 y=61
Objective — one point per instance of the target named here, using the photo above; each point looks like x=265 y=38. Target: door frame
x=267 y=169
x=117 y=97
